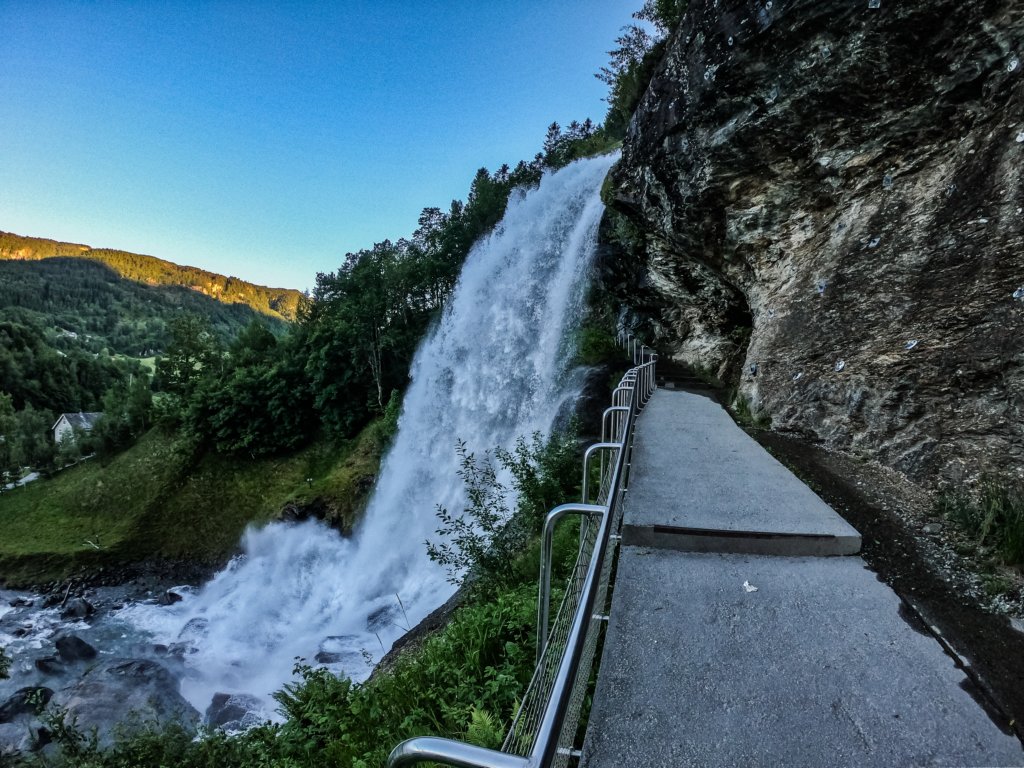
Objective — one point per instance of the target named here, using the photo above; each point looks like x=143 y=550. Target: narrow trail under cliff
x=985 y=643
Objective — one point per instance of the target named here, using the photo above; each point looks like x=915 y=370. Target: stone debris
x=1019 y=293
x=840 y=365
x=749 y=587
x=1012 y=64
x=874 y=3
x=910 y=344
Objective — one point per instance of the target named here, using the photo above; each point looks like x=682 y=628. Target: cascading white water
x=491 y=371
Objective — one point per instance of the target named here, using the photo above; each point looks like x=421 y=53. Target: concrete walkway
x=744 y=631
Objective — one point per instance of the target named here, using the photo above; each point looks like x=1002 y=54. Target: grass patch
x=745 y=413
x=160 y=499
x=993 y=517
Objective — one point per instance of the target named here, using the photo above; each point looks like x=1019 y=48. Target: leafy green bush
x=485 y=540
x=596 y=346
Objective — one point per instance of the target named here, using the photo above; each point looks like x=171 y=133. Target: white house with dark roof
x=66 y=425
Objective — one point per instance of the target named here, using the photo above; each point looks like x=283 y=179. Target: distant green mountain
x=279 y=303
x=86 y=305
x=72 y=318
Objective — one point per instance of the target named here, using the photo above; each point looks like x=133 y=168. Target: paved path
x=743 y=631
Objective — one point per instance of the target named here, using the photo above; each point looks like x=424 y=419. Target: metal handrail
x=628 y=399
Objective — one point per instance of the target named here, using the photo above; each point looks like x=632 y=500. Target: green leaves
x=486 y=540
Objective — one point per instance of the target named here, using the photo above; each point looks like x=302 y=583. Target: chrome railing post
x=449 y=752
x=546 y=544
x=586 y=465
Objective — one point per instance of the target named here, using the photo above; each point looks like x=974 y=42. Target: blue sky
x=266 y=140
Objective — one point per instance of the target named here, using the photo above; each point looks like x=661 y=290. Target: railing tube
x=615 y=394
x=455 y=753
x=544 y=591
x=615 y=409
x=546 y=743
x=586 y=465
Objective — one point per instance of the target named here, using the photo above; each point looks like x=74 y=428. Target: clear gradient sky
x=267 y=139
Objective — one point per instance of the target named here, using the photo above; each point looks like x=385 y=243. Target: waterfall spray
x=493 y=369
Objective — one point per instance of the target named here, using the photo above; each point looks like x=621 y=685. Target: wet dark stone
x=380 y=618
x=327 y=657
x=77 y=608
x=194 y=628
x=170 y=598
x=31 y=700
x=20 y=602
x=232 y=711
x=49 y=665
x=73 y=648
x=112 y=689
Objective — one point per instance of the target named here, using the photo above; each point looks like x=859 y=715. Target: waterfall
x=493 y=369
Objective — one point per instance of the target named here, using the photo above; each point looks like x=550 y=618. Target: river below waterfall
x=493 y=369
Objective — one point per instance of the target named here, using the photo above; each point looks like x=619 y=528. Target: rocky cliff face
x=832 y=206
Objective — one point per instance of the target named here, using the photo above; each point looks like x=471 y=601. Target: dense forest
x=96 y=309
x=279 y=303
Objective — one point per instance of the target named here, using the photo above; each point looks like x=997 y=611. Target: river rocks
x=73 y=648
x=234 y=712
x=381 y=618
x=170 y=597
x=340 y=649
x=867 y=206
x=30 y=700
x=115 y=689
x=77 y=608
x=20 y=602
x=18 y=739
x=50 y=665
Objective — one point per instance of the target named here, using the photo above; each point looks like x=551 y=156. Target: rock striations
x=832 y=201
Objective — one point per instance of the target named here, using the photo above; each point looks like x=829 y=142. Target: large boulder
x=123 y=691
x=234 y=712
x=50 y=665
x=74 y=648
x=77 y=608
x=31 y=700
x=831 y=200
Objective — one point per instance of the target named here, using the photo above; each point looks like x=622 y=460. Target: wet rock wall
x=832 y=210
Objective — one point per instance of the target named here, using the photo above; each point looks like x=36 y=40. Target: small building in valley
x=64 y=428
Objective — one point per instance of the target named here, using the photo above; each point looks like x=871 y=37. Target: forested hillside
x=92 y=307
x=279 y=303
